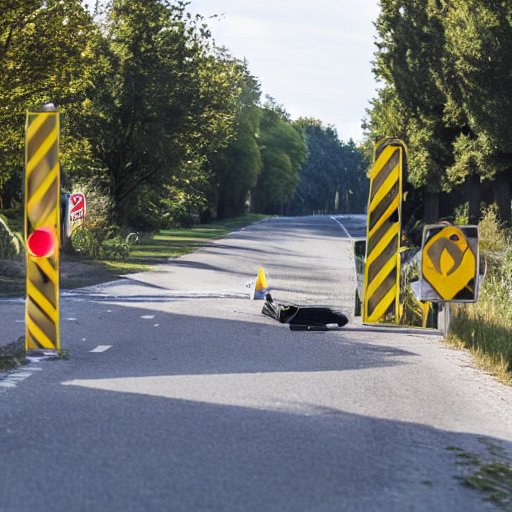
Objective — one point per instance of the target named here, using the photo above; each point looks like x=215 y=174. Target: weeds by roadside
x=13 y=355
x=485 y=328
x=489 y=472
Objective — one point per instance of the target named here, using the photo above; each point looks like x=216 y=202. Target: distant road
x=354 y=225
x=180 y=396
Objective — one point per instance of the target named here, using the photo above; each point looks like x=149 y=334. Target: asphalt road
x=180 y=396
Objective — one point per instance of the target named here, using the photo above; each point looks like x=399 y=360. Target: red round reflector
x=42 y=242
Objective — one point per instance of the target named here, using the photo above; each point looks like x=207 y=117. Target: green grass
x=151 y=250
x=13 y=355
x=483 y=331
x=485 y=328
x=157 y=248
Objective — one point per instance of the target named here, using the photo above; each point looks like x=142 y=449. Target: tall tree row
x=333 y=178
x=446 y=70
x=160 y=126
x=44 y=57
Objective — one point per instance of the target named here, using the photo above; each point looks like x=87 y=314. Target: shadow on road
x=129 y=448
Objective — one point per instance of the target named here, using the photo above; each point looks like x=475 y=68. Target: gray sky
x=312 y=57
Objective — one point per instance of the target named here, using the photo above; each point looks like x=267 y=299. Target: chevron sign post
x=382 y=269
x=42 y=228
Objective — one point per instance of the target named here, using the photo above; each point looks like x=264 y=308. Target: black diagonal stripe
x=37 y=274
x=41 y=135
x=39 y=317
x=378 y=235
x=381 y=208
x=388 y=253
x=35 y=304
x=382 y=290
x=42 y=169
x=385 y=172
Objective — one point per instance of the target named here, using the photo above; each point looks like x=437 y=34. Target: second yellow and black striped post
x=382 y=266
x=42 y=229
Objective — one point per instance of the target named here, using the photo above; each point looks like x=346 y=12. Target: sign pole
x=42 y=229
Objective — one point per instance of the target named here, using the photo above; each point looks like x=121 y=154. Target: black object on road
x=303 y=317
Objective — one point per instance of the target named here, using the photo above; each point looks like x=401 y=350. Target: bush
x=11 y=244
x=101 y=241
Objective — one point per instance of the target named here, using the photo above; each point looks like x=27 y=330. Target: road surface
x=180 y=396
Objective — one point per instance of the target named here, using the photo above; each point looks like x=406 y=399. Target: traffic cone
x=261 y=287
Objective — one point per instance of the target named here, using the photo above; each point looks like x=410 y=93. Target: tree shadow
x=114 y=431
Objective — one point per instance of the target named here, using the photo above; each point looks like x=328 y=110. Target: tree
x=448 y=93
x=333 y=178
x=477 y=81
x=283 y=151
x=237 y=167
x=411 y=105
x=42 y=60
x=162 y=97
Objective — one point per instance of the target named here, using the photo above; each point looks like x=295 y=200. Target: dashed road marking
x=101 y=348
x=17 y=376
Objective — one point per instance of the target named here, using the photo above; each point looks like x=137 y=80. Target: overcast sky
x=312 y=57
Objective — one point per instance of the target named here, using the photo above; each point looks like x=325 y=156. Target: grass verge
x=486 y=336
x=485 y=328
x=152 y=249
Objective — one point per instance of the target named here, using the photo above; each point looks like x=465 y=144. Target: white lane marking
x=148 y=317
x=156 y=325
x=20 y=321
x=7 y=384
x=342 y=226
x=101 y=348
x=18 y=376
x=70 y=319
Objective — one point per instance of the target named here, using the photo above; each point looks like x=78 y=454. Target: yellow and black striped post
x=382 y=267
x=42 y=228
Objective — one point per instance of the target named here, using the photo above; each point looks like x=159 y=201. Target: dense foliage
x=333 y=178
x=446 y=70
x=160 y=126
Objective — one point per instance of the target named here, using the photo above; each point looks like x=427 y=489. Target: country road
x=180 y=396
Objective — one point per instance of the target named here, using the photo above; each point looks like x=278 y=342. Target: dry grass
x=485 y=328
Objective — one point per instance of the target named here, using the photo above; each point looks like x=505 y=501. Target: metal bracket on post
x=444 y=317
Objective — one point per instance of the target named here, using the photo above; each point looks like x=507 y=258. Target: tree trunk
x=473 y=190
x=502 y=198
x=431 y=211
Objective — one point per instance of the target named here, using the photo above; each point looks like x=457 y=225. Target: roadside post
x=450 y=263
x=382 y=265
x=405 y=284
x=42 y=229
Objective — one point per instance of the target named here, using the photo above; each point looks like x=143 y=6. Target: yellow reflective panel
x=448 y=263
x=381 y=286
x=42 y=210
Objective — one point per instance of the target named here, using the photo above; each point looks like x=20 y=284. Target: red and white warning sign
x=76 y=212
